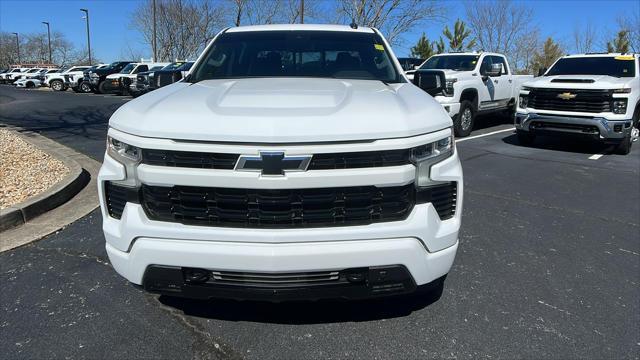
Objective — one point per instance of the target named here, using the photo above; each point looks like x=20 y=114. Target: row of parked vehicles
x=585 y=95
x=596 y=95
x=120 y=77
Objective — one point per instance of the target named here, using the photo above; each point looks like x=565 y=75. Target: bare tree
x=184 y=27
x=584 y=38
x=498 y=24
x=523 y=55
x=393 y=18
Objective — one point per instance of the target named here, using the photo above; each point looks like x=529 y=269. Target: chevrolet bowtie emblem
x=567 y=96
x=273 y=163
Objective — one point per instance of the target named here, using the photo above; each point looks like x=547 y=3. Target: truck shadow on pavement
x=573 y=145
x=304 y=312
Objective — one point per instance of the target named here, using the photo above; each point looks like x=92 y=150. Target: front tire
x=84 y=87
x=101 y=88
x=463 y=123
x=57 y=85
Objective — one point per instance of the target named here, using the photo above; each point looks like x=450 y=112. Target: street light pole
x=86 y=12
x=49 y=35
x=301 y=11
x=17 y=46
x=153 y=43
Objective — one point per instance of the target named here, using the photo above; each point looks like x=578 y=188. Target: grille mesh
x=589 y=101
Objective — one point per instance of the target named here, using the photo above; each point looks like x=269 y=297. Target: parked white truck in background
x=589 y=95
x=474 y=83
x=56 y=81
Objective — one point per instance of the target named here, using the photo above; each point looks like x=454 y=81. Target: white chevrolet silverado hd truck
x=474 y=83
x=592 y=95
x=293 y=162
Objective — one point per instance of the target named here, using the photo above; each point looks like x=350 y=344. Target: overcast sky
x=111 y=33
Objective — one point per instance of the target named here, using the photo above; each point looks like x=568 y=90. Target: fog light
x=620 y=106
x=196 y=276
x=617 y=128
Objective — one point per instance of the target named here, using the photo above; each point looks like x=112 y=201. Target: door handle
x=495 y=81
x=510 y=80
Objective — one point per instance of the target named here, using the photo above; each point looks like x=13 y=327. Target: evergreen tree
x=620 y=43
x=551 y=51
x=458 y=39
x=423 y=48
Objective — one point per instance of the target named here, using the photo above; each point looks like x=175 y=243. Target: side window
x=500 y=60
x=485 y=65
x=141 y=68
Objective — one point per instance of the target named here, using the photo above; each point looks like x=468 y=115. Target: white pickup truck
x=56 y=80
x=474 y=83
x=587 y=95
x=293 y=161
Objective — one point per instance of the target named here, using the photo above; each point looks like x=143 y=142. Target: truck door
x=486 y=93
x=503 y=83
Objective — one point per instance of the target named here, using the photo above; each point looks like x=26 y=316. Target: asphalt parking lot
x=548 y=267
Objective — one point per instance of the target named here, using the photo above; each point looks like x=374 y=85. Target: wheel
x=463 y=123
x=510 y=112
x=525 y=138
x=102 y=88
x=84 y=87
x=30 y=85
x=624 y=147
x=57 y=85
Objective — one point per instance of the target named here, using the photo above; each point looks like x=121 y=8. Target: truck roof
x=600 y=55
x=293 y=27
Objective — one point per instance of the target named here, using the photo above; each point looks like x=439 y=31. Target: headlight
x=424 y=156
x=523 y=101
x=622 y=91
x=93 y=75
x=448 y=88
x=127 y=155
x=620 y=106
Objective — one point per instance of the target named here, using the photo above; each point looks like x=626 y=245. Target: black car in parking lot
x=96 y=78
x=168 y=75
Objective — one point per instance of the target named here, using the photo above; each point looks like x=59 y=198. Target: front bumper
x=451 y=107
x=595 y=127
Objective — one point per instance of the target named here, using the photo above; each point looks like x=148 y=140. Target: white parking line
x=595 y=156
x=487 y=134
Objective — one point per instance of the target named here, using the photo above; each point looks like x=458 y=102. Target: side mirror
x=432 y=82
x=416 y=67
x=494 y=70
x=542 y=71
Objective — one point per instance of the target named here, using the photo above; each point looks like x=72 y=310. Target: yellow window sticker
x=379 y=47
x=624 y=57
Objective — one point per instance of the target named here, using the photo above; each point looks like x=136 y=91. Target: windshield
x=452 y=62
x=173 y=66
x=319 y=54
x=156 y=68
x=619 y=66
x=127 y=69
x=33 y=70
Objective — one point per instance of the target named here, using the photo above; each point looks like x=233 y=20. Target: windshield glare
x=318 y=54
x=611 y=66
x=173 y=66
x=127 y=69
x=452 y=62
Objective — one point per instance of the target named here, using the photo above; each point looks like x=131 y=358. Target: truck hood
x=580 y=82
x=282 y=110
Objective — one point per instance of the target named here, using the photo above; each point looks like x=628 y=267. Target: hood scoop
x=580 y=81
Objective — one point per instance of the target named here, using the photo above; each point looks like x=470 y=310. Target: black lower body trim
x=352 y=284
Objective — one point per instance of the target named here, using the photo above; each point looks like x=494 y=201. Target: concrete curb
x=55 y=196
x=72 y=198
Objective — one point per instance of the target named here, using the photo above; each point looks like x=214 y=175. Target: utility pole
x=301 y=11
x=153 y=43
x=17 y=46
x=49 y=35
x=86 y=12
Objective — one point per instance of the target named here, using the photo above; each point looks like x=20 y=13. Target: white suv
x=294 y=161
